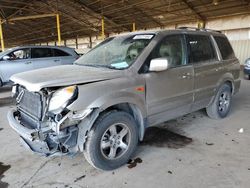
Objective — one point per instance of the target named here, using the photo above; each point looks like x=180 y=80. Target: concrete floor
x=202 y=153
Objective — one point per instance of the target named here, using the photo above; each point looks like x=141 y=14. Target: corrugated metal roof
x=83 y=17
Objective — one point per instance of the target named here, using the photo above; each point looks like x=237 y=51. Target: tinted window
x=200 y=49
x=20 y=54
x=171 y=48
x=60 y=53
x=224 y=47
x=41 y=52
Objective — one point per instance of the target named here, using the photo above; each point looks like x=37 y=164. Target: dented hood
x=62 y=76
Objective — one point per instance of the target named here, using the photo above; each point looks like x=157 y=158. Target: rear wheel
x=112 y=141
x=221 y=105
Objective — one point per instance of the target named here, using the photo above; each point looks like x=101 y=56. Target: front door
x=169 y=93
x=19 y=61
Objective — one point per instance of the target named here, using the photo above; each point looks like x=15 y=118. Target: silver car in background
x=21 y=59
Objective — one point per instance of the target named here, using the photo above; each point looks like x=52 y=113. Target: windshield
x=5 y=52
x=116 y=53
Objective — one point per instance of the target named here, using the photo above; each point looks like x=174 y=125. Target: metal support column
x=90 y=42
x=133 y=26
x=201 y=24
x=103 y=29
x=1 y=35
x=58 y=29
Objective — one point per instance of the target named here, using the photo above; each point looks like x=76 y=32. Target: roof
x=83 y=17
x=178 y=30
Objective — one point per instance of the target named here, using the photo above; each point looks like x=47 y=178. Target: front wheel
x=221 y=105
x=112 y=141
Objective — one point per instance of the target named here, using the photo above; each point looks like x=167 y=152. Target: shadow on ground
x=3 y=168
x=162 y=137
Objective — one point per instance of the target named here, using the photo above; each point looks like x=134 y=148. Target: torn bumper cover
x=45 y=142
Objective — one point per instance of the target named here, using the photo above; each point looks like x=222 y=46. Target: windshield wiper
x=101 y=66
x=88 y=65
x=111 y=67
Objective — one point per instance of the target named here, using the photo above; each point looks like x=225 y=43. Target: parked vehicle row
x=21 y=59
x=103 y=103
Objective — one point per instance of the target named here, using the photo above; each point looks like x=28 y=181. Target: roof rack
x=198 y=29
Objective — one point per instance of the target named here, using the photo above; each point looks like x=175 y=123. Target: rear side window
x=58 y=53
x=200 y=49
x=225 y=48
x=41 y=52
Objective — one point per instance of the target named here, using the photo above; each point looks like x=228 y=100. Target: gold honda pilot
x=102 y=105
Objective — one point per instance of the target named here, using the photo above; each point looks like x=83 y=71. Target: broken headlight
x=62 y=98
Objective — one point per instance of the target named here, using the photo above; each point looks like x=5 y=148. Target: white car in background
x=25 y=58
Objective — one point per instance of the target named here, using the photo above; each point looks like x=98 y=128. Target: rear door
x=207 y=68
x=43 y=57
x=169 y=93
x=63 y=57
x=19 y=61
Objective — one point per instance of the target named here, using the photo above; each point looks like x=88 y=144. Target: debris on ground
x=235 y=141
x=170 y=172
x=241 y=130
x=79 y=178
x=209 y=144
x=132 y=163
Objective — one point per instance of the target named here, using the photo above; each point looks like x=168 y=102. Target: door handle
x=29 y=62
x=56 y=60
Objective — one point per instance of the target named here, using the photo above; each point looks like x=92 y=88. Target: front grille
x=29 y=121
x=30 y=103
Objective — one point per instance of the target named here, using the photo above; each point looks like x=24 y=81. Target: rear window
x=200 y=49
x=225 y=47
x=58 y=53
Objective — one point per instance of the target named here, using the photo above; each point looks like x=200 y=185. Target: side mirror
x=6 y=57
x=159 y=64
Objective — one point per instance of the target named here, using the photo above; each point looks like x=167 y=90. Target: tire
x=105 y=148
x=248 y=77
x=221 y=105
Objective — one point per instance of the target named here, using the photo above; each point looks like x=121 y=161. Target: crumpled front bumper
x=26 y=133
x=30 y=138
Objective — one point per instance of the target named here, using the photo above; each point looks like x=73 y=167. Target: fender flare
x=226 y=78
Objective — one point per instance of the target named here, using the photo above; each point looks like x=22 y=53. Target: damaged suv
x=103 y=103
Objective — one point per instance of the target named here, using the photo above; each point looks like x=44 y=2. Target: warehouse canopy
x=83 y=17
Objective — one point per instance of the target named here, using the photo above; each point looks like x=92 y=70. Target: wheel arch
x=134 y=111
x=226 y=79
